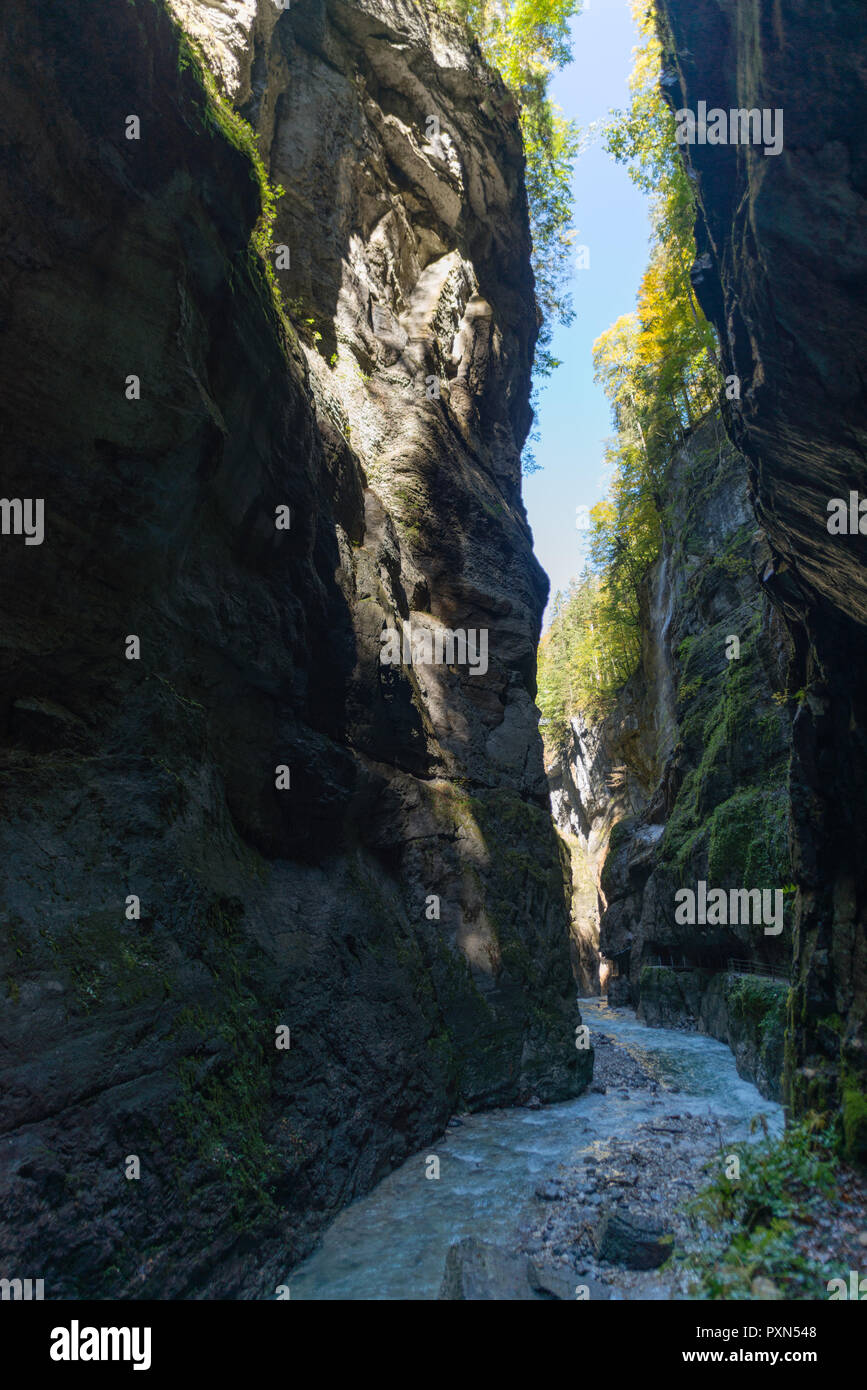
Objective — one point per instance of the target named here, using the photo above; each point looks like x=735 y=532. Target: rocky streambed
x=611 y=1216
x=540 y=1202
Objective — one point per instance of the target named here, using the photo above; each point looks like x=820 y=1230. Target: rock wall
x=782 y=272
x=686 y=781
x=606 y=772
x=746 y=1011
x=603 y=773
x=153 y=773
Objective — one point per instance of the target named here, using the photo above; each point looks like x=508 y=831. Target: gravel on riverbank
x=618 y=1203
x=610 y=1220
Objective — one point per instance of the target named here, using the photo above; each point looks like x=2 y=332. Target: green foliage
x=220 y=117
x=527 y=41
x=106 y=965
x=221 y=1111
x=658 y=368
x=747 y=838
x=757 y=1001
x=853 y=1116
x=305 y=325
x=749 y=1226
x=589 y=650
x=732 y=806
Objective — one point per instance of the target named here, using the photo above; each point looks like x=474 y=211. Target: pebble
x=649 y=1171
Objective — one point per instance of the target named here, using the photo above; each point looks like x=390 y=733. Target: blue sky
x=611 y=220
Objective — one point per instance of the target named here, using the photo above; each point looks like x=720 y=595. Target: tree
x=677 y=340
x=659 y=369
x=527 y=41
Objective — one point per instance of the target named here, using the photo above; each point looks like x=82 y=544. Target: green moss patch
x=221 y=1113
x=853 y=1113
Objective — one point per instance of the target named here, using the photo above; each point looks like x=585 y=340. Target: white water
x=392 y=1244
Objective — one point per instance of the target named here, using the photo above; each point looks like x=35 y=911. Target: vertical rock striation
x=686 y=781
x=313 y=907
x=782 y=272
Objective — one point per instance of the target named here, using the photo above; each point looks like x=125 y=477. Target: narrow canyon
x=281 y=911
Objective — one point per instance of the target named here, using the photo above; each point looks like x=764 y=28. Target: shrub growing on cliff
x=527 y=41
x=220 y=117
x=658 y=368
x=658 y=365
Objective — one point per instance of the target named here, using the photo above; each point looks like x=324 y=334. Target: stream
x=392 y=1244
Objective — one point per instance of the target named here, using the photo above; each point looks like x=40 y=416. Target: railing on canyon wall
x=732 y=966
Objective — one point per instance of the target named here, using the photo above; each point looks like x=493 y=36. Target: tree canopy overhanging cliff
x=527 y=41
x=658 y=367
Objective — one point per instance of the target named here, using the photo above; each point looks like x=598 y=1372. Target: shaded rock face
x=782 y=272
x=746 y=1011
x=686 y=780
x=719 y=811
x=749 y=1013
x=311 y=907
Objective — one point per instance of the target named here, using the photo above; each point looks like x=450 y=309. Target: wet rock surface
x=478 y=1271
x=612 y=1219
x=782 y=273
x=302 y=906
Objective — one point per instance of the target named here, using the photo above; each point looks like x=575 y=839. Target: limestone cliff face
x=312 y=906
x=782 y=271
x=604 y=773
x=609 y=771
x=686 y=780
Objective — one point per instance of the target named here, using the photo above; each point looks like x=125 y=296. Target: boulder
x=625 y=1240
x=478 y=1271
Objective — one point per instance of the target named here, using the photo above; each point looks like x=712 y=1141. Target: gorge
x=313 y=250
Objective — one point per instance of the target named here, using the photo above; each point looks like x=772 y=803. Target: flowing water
x=392 y=1243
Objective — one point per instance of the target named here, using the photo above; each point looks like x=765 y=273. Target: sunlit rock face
x=782 y=271
x=399 y=907
x=597 y=778
x=686 y=780
x=226 y=32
